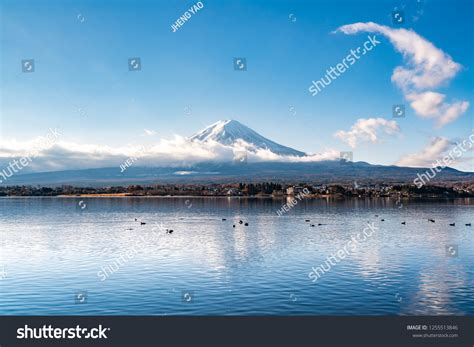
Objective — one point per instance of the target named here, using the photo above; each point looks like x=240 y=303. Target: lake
x=88 y=256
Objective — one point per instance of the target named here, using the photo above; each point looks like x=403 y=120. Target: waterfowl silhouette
x=307 y=220
x=319 y=224
x=452 y=224
x=136 y=220
x=431 y=220
x=224 y=219
x=468 y=224
x=382 y=220
x=246 y=224
x=312 y=225
x=404 y=223
x=142 y=223
x=233 y=226
x=240 y=222
x=170 y=231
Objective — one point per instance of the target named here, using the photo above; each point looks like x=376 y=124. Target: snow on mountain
x=232 y=132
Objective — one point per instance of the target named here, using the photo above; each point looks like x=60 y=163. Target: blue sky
x=82 y=85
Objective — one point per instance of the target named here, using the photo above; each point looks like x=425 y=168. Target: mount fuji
x=231 y=136
x=232 y=132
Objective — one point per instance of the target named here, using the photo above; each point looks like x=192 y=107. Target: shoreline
x=327 y=197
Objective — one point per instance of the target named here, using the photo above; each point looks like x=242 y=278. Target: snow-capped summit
x=230 y=132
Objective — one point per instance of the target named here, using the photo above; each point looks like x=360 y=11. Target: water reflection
x=242 y=270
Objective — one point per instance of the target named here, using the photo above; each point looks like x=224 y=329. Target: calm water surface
x=52 y=248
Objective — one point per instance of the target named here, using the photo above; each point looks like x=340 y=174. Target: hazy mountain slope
x=317 y=172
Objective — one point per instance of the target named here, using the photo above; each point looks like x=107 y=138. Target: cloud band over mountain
x=178 y=151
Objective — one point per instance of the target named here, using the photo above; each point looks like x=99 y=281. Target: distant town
x=266 y=189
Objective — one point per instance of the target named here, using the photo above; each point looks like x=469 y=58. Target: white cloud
x=425 y=158
x=150 y=132
x=432 y=105
x=367 y=129
x=178 y=151
x=426 y=104
x=427 y=67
